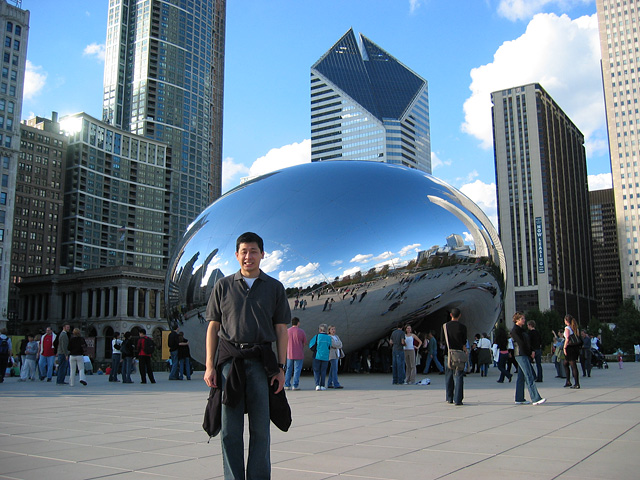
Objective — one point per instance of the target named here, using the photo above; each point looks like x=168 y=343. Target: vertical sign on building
x=540 y=244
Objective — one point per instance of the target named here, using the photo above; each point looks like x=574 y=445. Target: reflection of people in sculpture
x=393 y=306
x=362 y=296
x=326 y=302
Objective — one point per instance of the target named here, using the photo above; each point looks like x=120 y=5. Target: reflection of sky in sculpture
x=325 y=220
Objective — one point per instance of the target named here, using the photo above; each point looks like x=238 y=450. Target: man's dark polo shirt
x=248 y=315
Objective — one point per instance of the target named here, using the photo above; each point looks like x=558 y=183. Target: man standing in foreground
x=524 y=355
x=397 y=351
x=247 y=311
x=456 y=340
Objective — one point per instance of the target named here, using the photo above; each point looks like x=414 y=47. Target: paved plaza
x=369 y=430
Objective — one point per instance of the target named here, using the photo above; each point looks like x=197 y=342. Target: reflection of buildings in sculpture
x=366 y=105
x=543 y=204
x=482 y=248
x=455 y=241
x=98 y=301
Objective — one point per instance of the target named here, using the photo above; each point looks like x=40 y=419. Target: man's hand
x=210 y=377
x=280 y=379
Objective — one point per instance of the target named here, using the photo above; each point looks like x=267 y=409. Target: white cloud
x=351 y=271
x=414 y=5
x=409 y=249
x=231 y=173
x=277 y=158
x=34 y=80
x=468 y=238
x=483 y=195
x=361 y=258
x=436 y=162
x=600 y=181
x=525 y=9
x=271 y=261
x=561 y=54
x=94 y=50
x=302 y=275
x=382 y=256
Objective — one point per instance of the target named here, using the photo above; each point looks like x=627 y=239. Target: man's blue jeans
x=127 y=366
x=294 y=367
x=63 y=366
x=185 y=368
x=174 y=365
x=115 y=365
x=434 y=359
x=45 y=365
x=525 y=375
x=454 y=384
x=333 y=373
x=397 y=368
x=256 y=399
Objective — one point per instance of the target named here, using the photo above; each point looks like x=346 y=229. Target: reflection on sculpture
x=362 y=245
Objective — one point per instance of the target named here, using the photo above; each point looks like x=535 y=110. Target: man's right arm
x=210 y=376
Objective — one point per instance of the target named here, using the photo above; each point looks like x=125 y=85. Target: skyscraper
x=14 y=25
x=115 y=197
x=163 y=79
x=543 y=204
x=617 y=22
x=366 y=105
x=606 y=259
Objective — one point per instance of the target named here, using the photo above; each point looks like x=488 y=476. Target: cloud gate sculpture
x=359 y=245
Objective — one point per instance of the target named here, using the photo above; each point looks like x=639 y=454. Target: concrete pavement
x=369 y=430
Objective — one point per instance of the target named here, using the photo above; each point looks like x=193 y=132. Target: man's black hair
x=455 y=312
x=250 y=237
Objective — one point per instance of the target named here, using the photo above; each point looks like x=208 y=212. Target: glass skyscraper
x=163 y=79
x=366 y=105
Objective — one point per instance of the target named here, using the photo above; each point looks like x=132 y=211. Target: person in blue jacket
x=322 y=344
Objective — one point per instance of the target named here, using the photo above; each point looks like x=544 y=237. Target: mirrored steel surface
x=407 y=245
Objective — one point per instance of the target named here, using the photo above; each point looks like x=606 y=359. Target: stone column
x=94 y=303
x=103 y=302
x=158 y=305
x=122 y=301
x=147 y=301
x=136 y=300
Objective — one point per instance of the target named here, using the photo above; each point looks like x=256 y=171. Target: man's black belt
x=243 y=346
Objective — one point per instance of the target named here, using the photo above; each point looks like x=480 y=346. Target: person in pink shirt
x=47 y=355
x=295 y=354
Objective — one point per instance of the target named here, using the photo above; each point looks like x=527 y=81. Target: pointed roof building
x=366 y=105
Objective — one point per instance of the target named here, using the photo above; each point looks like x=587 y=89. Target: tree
x=627 y=330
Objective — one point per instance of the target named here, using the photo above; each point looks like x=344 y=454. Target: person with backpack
x=145 y=349
x=5 y=352
x=127 y=352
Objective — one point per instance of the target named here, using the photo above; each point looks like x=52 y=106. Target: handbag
x=575 y=340
x=457 y=359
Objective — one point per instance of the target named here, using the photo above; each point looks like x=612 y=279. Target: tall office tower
x=543 y=204
x=163 y=79
x=38 y=204
x=366 y=105
x=115 y=199
x=617 y=22
x=606 y=259
x=14 y=25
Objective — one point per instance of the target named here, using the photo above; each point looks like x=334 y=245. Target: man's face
x=249 y=257
x=67 y=328
x=520 y=321
x=48 y=331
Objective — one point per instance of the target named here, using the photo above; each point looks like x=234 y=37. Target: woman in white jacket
x=334 y=355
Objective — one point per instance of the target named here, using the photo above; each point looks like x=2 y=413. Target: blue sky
x=465 y=49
